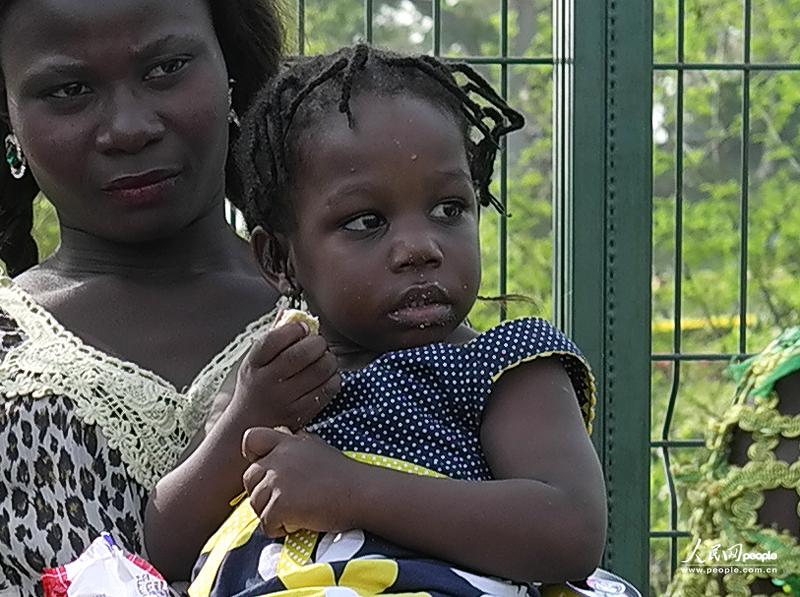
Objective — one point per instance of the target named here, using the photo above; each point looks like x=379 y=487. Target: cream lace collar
x=141 y=414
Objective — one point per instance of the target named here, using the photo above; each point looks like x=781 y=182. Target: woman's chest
x=171 y=330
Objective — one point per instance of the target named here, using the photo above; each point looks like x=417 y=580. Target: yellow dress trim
x=394 y=464
x=141 y=414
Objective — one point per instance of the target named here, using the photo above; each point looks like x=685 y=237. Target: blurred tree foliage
x=711 y=222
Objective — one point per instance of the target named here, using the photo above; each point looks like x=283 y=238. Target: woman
x=121 y=113
x=746 y=493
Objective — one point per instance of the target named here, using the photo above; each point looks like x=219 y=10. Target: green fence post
x=607 y=295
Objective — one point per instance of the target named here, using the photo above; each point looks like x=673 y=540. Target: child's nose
x=415 y=253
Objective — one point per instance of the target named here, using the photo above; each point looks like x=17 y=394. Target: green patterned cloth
x=725 y=498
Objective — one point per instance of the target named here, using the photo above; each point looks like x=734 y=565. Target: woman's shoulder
x=13 y=315
x=11 y=335
x=25 y=324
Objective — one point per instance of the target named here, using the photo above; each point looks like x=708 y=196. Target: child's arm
x=542 y=519
x=286 y=378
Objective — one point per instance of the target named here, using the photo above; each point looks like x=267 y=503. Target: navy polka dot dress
x=424 y=405
x=418 y=410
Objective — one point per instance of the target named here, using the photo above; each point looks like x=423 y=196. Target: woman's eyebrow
x=169 y=40
x=42 y=72
x=60 y=64
x=54 y=65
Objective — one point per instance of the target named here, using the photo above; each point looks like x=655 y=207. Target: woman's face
x=120 y=107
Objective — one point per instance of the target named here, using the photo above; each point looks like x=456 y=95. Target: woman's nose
x=131 y=124
x=421 y=251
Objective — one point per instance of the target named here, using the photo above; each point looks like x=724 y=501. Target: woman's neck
x=206 y=245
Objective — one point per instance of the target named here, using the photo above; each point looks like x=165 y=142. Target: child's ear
x=273 y=255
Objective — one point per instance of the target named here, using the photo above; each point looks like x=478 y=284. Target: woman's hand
x=297 y=482
x=286 y=379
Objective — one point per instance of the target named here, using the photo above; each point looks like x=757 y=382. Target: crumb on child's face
x=386 y=245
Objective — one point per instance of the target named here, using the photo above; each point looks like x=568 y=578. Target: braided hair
x=250 y=33
x=305 y=91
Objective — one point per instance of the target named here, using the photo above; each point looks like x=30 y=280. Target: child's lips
x=423 y=315
x=423 y=306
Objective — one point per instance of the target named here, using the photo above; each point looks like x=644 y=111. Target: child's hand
x=297 y=482
x=287 y=378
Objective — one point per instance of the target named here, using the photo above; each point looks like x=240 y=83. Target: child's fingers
x=265 y=348
x=313 y=376
x=257 y=442
x=271 y=523
x=254 y=474
x=296 y=358
x=306 y=435
x=260 y=494
x=311 y=403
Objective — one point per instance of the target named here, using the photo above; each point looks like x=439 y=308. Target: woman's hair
x=309 y=89
x=250 y=33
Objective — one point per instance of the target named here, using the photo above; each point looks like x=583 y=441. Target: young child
x=449 y=459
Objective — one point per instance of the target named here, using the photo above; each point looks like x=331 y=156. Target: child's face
x=386 y=246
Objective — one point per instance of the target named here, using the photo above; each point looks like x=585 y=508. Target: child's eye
x=170 y=67
x=70 y=91
x=448 y=210
x=364 y=223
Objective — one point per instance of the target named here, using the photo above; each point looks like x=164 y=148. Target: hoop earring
x=14 y=157
x=233 y=118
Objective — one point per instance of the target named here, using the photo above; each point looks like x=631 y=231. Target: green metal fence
x=718 y=154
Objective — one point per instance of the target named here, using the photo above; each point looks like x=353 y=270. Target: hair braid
x=357 y=63
x=250 y=33
x=326 y=75
x=17 y=248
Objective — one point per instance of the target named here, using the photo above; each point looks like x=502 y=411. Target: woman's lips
x=142 y=189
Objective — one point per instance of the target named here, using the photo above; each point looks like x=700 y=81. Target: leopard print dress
x=83 y=438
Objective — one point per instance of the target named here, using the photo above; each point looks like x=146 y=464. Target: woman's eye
x=70 y=91
x=170 y=67
x=448 y=210
x=364 y=223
